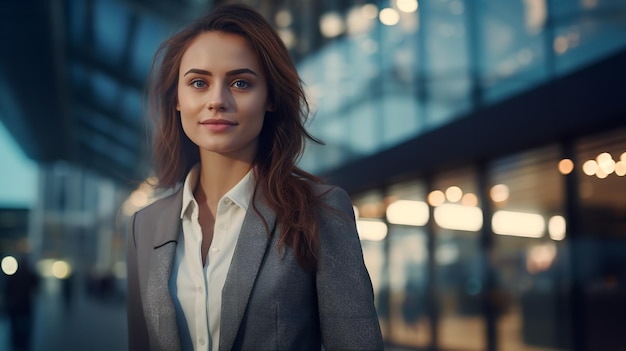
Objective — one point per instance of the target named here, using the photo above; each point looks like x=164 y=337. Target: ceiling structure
x=72 y=77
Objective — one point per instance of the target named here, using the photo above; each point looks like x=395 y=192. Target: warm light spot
x=44 y=266
x=369 y=11
x=436 y=198
x=556 y=227
x=283 y=18
x=560 y=45
x=61 y=269
x=620 y=168
x=454 y=193
x=535 y=13
x=407 y=212
x=389 y=16
x=499 y=193
x=566 y=166
x=408 y=6
x=9 y=265
x=606 y=163
x=138 y=198
x=459 y=217
x=590 y=167
x=331 y=25
x=529 y=225
x=357 y=22
x=622 y=157
x=374 y=230
x=469 y=199
x=600 y=173
x=540 y=258
x=371 y=210
x=288 y=37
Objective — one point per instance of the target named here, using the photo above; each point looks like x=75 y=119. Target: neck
x=219 y=174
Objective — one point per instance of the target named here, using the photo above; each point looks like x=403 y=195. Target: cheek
x=185 y=122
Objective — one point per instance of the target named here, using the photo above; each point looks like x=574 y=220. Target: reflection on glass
x=371 y=229
x=409 y=321
x=459 y=267
x=530 y=267
x=514 y=223
x=601 y=263
x=459 y=217
x=407 y=213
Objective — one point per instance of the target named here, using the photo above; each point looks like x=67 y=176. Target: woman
x=251 y=252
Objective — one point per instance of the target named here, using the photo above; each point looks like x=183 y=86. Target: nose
x=218 y=98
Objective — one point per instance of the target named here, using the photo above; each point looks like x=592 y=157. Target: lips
x=218 y=121
x=217 y=125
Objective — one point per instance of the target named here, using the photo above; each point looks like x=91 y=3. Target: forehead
x=218 y=50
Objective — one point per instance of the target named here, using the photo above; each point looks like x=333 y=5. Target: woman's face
x=222 y=95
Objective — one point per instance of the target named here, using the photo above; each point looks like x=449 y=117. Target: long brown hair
x=285 y=187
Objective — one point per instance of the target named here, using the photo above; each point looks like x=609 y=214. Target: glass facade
x=530 y=244
x=393 y=71
x=530 y=260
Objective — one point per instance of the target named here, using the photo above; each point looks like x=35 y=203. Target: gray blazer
x=269 y=302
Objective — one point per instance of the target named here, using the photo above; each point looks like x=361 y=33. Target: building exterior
x=483 y=143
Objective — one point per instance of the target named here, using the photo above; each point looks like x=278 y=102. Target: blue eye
x=197 y=83
x=240 y=84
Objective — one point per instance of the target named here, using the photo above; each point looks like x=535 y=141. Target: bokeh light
x=389 y=16
x=566 y=166
x=9 y=265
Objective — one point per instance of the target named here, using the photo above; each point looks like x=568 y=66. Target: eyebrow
x=229 y=73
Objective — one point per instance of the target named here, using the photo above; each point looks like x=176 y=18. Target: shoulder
x=335 y=198
x=331 y=194
x=171 y=202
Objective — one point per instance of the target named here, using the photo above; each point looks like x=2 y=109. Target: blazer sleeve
x=348 y=318
x=137 y=330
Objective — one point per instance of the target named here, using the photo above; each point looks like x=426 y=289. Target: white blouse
x=197 y=290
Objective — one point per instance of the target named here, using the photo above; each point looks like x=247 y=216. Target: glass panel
x=512 y=46
x=602 y=189
x=529 y=256
x=407 y=214
x=447 y=60
x=398 y=55
x=596 y=31
x=458 y=261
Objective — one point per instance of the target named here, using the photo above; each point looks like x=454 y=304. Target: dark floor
x=89 y=322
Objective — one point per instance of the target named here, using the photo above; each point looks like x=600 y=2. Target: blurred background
x=483 y=143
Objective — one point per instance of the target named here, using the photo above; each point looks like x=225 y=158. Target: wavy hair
x=286 y=188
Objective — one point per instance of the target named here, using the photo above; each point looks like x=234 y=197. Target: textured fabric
x=196 y=289
x=269 y=302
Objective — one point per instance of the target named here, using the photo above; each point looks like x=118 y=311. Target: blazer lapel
x=251 y=246
x=158 y=305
